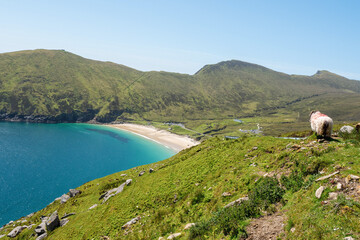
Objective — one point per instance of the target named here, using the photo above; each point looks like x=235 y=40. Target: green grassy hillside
x=278 y=176
x=58 y=86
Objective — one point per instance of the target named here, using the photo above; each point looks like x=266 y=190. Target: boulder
x=42 y=236
x=115 y=191
x=141 y=173
x=40 y=229
x=131 y=222
x=174 y=235
x=16 y=231
x=128 y=182
x=347 y=129
x=73 y=192
x=53 y=221
x=151 y=170
x=64 y=198
x=64 y=221
x=189 y=225
x=319 y=191
x=236 y=202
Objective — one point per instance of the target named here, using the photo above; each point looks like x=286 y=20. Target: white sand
x=171 y=140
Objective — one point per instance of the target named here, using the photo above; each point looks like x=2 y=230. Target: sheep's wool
x=321 y=124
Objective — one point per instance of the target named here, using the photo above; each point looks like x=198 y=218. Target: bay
x=40 y=162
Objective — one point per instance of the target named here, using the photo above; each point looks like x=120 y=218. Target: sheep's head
x=312 y=112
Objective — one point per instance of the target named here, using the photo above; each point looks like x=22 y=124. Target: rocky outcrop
x=64 y=221
x=189 y=225
x=236 y=202
x=131 y=222
x=53 y=221
x=64 y=198
x=16 y=231
x=74 y=192
x=141 y=173
x=174 y=235
x=42 y=236
x=115 y=191
x=41 y=228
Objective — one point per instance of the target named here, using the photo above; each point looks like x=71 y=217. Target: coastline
x=168 y=139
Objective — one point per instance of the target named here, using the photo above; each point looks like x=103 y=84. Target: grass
x=188 y=188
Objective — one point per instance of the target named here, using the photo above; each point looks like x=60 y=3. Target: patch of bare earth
x=267 y=227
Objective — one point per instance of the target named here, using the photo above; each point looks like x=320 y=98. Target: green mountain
x=58 y=86
x=279 y=177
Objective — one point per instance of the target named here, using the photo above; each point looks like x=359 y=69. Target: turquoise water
x=40 y=162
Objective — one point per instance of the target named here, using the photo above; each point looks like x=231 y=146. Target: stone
x=30 y=215
x=131 y=222
x=292 y=229
x=327 y=176
x=74 y=192
x=141 y=173
x=349 y=238
x=42 y=236
x=333 y=196
x=16 y=231
x=1 y=236
x=64 y=221
x=197 y=184
x=339 y=186
x=128 y=182
x=115 y=191
x=174 y=235
x=53 y=221
x=226 y=194
x=189 y=225
x=123 y=175
x=67 y=215
x=151 y=170
x=319 y=191
x=161 y=238
x=93 y=206
x=347 y=129
x=236 y=202
x=354 y=177
x=40 y=229
x=64 y=198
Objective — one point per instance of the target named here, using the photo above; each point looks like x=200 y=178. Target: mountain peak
x=228 y=65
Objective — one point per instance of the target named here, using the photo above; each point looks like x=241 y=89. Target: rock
x=64 y=221
x=333 y=196
x=189 y=225
x=93 y=206
x=354 y=177
x=30 y=215
x=197 y=184
x=346 y=129
x=349 y=238
x=141 y=173
x=236 y=202
x=64 y=198
x=254 y=148
x=327 y=176
x=42 y=236
x=128 y=182
x=226 y=194
x=129 y=223
x=174 y=235
x=1 y=236
x=53 y=221
x=40 y=229
x=74 y=192
x=151 y=170
x=67 y=215
x=123 y=175
x=319 y=191
x=339 y=186
x=161 y=238
x=16 y=231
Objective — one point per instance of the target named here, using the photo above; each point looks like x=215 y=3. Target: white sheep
x=321 y=124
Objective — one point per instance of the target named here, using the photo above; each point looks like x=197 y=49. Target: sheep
x=357 y=127
x=321 y=124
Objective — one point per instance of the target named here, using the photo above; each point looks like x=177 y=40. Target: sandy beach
x=171 y=140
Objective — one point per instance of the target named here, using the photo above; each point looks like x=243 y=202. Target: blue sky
x=297 y=37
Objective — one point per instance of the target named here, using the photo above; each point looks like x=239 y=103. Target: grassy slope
x=188 y=188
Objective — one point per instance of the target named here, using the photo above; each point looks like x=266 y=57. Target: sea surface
x=40 y=162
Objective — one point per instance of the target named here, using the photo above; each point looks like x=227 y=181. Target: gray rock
x=174 y=235
x=151 y=170
x=1 y=236
x=41 y=228
x=128 y=182
x=131 y=222
x=236 y=202
x=189 y=225
x=333 y=196
x=226 y=194
x=42 y=236
x=64 y=221
x=141 y=173
x=319 y=191
x=53 y=221
x=30 y=215
x=93 y=206
x=327 y=176
x=64 y=198
x=74 y=192
x=347 y=129
x=123 y=175
x=339 y=186
x=349 y=238
x=354 y=177
x=161 y=238
x=16 y=231
x=115 y=191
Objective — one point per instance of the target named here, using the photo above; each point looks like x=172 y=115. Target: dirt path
x=266 y=228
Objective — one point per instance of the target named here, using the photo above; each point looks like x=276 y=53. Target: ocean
x=40 y=162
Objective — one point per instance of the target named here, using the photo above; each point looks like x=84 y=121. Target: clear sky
x=298 y=37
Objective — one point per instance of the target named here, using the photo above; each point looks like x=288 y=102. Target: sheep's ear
x=312 y=112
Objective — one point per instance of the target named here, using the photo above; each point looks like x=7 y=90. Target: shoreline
x=163 y=137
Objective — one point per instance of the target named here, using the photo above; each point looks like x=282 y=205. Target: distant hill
x=58 y=86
